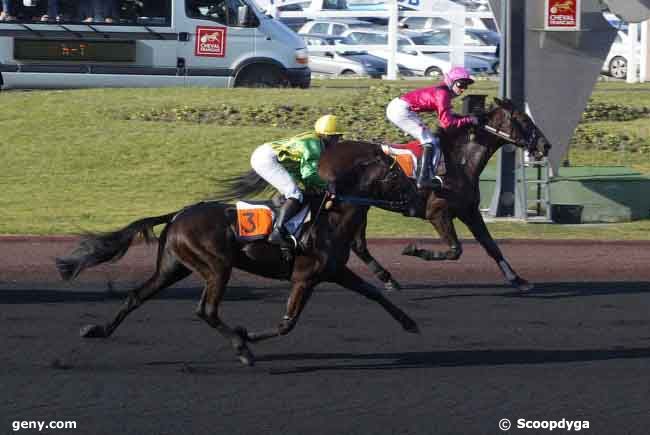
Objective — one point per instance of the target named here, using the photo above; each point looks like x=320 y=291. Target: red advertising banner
x=562 y=15
x=210 y=41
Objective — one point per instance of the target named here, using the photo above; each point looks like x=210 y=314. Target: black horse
x=466 y=153
x=201 y=238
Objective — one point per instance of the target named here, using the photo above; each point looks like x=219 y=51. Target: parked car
x=615 y=21
x=475 y=63
x=336 y=27
x=294 y=23
x=615 y=63
x=473 y=38
x=408 y=55
x=342 y=63
x=424 y=24
x=421 y=24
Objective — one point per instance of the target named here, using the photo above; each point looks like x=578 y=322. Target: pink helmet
x=457 y=73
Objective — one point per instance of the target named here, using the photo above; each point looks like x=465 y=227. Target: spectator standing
x=52 y=11
x=99 y=11
x=8 y=10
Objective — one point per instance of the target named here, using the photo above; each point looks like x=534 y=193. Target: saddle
x=407 y=156
x=254 y=220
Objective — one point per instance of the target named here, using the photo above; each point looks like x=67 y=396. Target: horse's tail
x=242 y=186
x=99 y=248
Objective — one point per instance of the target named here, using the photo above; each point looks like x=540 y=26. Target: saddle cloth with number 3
x=255 y=221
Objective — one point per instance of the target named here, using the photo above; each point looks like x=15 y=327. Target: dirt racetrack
x=577 y=348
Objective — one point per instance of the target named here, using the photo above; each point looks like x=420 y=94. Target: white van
x=219 y=43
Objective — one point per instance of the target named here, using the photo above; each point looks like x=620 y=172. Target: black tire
x=261 y=76
x=433 y=72
x=618 y=67
x=348 y=73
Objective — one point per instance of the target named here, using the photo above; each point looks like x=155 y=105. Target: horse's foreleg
x=216 y=276
x=352 y=281
x=476 y=225
x=444 y=225
x=169 y=271
x=360 y=248
x=300 y=293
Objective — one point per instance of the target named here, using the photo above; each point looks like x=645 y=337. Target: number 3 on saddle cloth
x=407 y=156
x=255 y=221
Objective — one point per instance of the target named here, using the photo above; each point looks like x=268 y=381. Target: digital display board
x=74 y=50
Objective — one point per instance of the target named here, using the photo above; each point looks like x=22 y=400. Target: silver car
x=341 y=63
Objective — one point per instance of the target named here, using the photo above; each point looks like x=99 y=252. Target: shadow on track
x=460 y=358
x=8 y=297
x=551 y=290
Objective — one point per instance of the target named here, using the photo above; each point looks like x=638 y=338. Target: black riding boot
x=423 y=179
x=279 y=235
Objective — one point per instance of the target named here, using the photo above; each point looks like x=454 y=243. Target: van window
x=221 y=11
x=108 y=12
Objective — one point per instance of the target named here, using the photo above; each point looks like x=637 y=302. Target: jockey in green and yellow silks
x=292 y=163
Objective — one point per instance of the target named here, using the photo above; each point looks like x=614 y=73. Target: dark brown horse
x=466 y=152
x=201 y=238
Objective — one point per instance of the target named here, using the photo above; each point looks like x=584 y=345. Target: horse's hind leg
x=352 y=281
x=360 y=248
x=168 y=272
x=444 y=225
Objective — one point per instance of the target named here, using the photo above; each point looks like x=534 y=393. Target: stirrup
x=437 y=182
x=284 y=241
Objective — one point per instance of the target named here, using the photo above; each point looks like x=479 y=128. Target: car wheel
x=618 y=67
x=433 y=72
x=348 y=73
x=261 y=76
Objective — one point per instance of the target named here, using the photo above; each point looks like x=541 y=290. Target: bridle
x=528 y=143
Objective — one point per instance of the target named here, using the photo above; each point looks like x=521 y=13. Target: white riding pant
x=265 y=162
x=400 y=114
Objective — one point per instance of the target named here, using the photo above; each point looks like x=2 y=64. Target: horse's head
x=362 y=169
x=516 y=127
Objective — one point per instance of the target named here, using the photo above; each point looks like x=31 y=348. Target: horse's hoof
x=246 y=357
x=411 y=249
x=410 y=326
x=392 y=285
x=522 y=285
x=93 y=331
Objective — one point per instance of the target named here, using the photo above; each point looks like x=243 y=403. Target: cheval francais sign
x=210 y=41
x=562 y=15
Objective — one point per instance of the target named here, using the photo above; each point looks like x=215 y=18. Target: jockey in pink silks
x=403 y=112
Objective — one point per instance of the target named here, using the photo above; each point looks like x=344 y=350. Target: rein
x=368 y=202
x=499 y=133
x=360 y=200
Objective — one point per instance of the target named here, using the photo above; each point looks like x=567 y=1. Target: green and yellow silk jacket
x=299 y=155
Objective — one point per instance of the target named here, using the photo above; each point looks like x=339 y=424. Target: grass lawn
x=86 y=160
